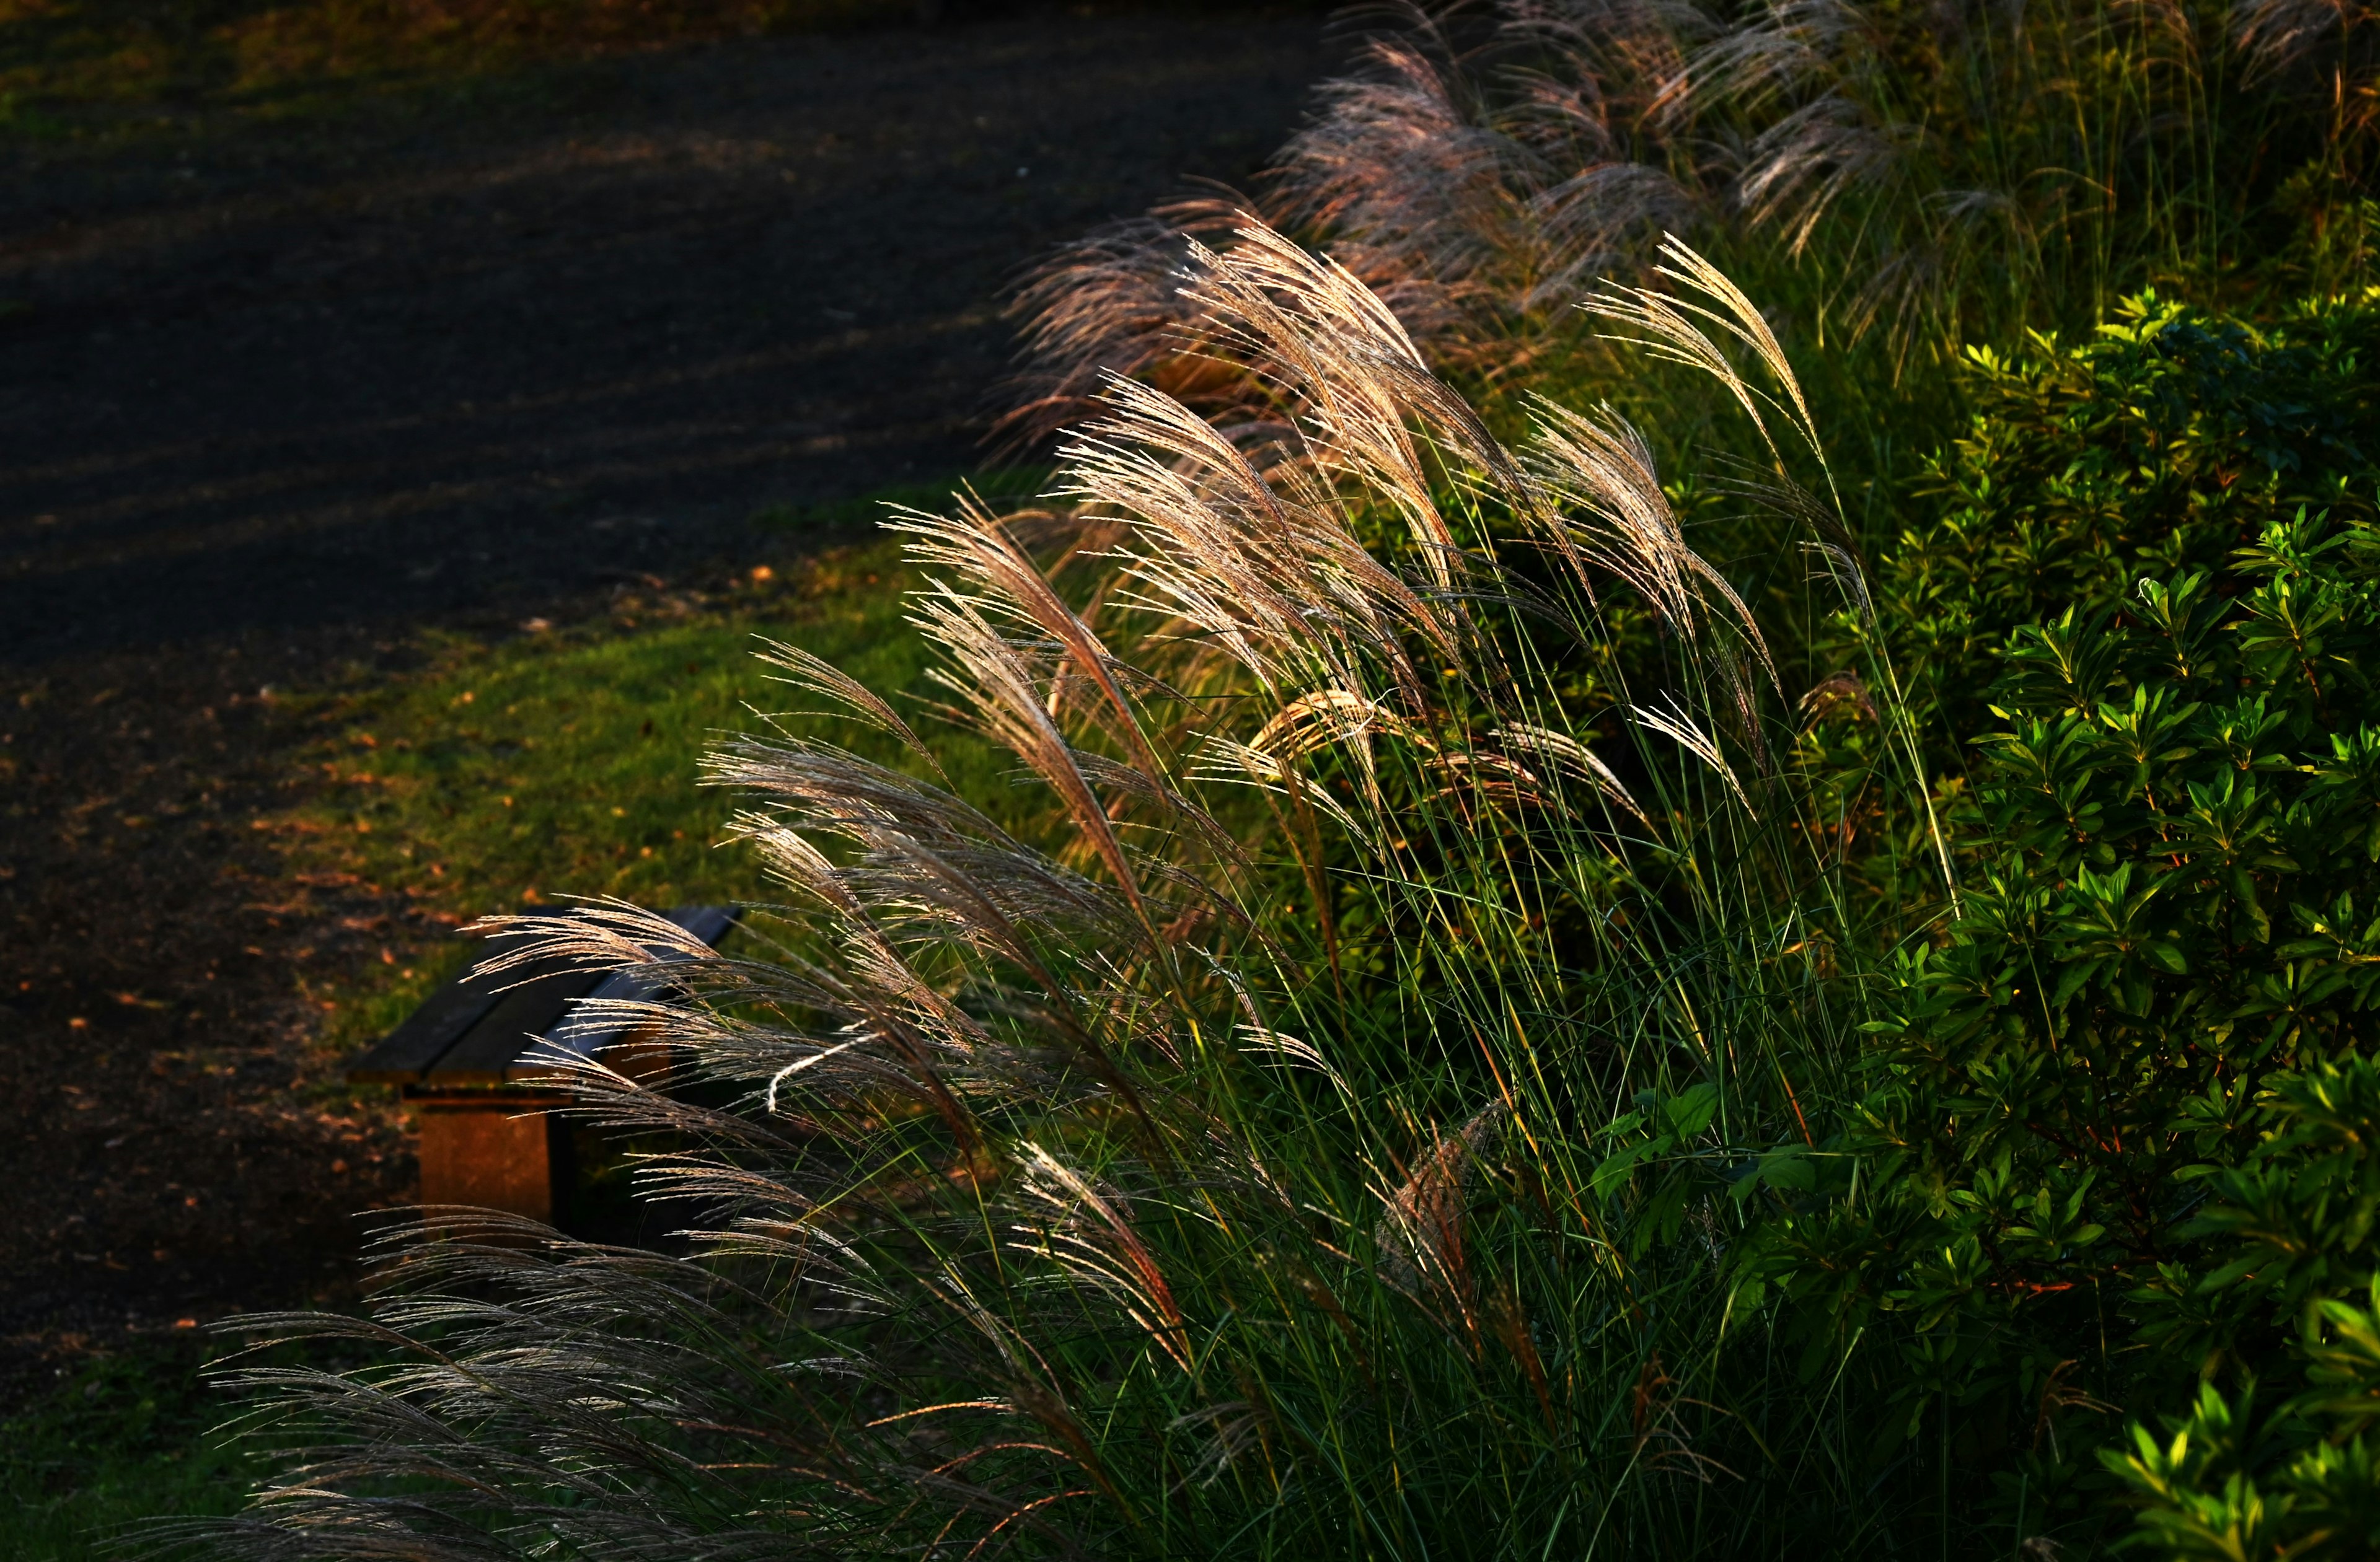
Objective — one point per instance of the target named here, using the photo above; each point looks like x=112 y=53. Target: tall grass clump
x=1340 y=1131
x=1541 y=1006
x=1894 y=181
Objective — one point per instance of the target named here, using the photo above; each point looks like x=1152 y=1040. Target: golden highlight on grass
x=1916 y=178
x=1010 y=1231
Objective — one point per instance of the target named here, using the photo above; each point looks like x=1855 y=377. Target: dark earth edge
x=278 y=400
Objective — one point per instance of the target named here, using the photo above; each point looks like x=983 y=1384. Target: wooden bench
x=467 y=1063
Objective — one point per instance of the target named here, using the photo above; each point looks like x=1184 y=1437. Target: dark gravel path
x=333 y=379
x=271 y=403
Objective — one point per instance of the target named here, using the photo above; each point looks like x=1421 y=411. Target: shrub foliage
x=2120 y=1127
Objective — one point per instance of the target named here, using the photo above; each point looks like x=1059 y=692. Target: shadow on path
x=328 y=382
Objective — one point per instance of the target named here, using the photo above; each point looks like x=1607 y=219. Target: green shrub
x=2160 y=446
x=2117 y=1139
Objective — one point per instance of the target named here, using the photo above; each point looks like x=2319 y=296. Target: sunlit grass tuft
x=1207 y=1170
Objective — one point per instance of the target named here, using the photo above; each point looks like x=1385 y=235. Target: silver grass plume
x=1480 y=167
x=993 y=1235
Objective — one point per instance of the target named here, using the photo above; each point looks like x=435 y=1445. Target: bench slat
x=408 y=1052
x=586 y=1038
x=477 y=1030
x=488 y=1049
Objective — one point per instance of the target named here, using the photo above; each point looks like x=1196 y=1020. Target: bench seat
x=475 y=1065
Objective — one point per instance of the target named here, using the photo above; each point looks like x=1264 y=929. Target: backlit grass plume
x=1302 y=1148
x=1917 y=176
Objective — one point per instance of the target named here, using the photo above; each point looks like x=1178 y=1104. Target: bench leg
x=495 y=1150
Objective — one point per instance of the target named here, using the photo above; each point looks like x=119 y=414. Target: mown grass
x=122 y=1439
x=61 y=58
x=564 y=764
x=72 y=69
x=127 y=1437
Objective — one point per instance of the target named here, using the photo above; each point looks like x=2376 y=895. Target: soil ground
x=275 y=401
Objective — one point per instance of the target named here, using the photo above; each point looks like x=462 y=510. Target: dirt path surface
x=278 y=387
x=272 y=403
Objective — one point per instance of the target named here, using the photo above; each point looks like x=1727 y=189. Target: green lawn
x=122 y=1439
x=565 y=764
x=71 y=64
